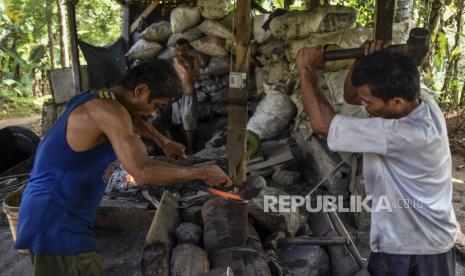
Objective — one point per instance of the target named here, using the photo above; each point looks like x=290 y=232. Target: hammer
x=416 y=48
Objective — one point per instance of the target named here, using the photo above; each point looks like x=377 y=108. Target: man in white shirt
x=406 y=158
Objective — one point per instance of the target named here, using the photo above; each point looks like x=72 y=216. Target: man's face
x=376 y=107
x=182 y=50
x=140 y=105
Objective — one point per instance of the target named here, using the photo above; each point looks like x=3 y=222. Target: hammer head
x=418 y=45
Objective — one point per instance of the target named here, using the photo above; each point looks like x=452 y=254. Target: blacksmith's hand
x=371 y=46
x=310 y=58
x=214 y=176
x=172 y=150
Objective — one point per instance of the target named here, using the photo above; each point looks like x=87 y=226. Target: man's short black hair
x=159 y=75
x=182 y=42
x=388 y=75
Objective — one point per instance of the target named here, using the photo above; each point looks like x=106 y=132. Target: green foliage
x=366 y=10
x=12 y=106
x=99 y=22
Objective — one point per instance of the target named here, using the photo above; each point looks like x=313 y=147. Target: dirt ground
x=121 y=250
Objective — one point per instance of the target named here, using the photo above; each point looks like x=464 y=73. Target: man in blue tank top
x=59 y=203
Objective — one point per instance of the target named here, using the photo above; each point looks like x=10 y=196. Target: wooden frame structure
x=237 y=112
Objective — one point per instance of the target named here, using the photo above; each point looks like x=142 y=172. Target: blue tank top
x=60 y=201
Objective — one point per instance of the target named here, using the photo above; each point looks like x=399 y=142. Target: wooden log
x=225 y=224
x=188 y=260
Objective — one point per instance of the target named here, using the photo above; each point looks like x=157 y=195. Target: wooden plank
x=160 y=239
x=315 y=241
x=237 y=111
x=144 y=14
x=384 y=18
x=123 y=204
x=62 y=84
x=71 y=9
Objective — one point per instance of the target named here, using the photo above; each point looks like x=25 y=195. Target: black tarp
x=105 y=65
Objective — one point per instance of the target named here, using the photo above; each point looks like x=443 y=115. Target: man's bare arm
x=350 y=93
x=317 y=108
x=115 y=122
x=171 y=148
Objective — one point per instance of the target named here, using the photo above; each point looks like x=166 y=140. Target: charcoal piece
x=253 y=240
x=254 y=186
x=193 y=214
x=220 y=96
x=267 y=222
x=285 y=177
x=273 y=240
x=188 y=232
x=275 y=268
x=310 y=260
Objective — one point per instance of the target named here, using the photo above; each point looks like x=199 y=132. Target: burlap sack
x=159 y=31
x=215 y=28
x=210 y=45
x=343 y=39
x=144 y=49
x=299 y=24
x=261 y=35
x=191 y=35
x=167 y=53
x=217 y=66
x=213 y=9
x=183 y=17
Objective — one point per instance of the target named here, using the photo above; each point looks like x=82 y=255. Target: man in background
x=184 y=111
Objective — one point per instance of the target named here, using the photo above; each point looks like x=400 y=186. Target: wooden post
x=71 y=7
x=237 y=111
x=384 y=18
x=125 y=8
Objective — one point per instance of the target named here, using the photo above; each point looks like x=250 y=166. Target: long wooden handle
x=359 y=52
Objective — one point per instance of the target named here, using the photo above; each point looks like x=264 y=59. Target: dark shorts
x=383 y=264
x=88 y=264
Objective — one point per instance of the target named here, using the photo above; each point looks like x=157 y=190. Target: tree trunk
x=64 y=47
x=452 y=71
x=455 y=74
x=51 y=40
x=437 y=10
x=462 y=95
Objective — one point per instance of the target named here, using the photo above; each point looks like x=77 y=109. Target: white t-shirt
x=407 y=164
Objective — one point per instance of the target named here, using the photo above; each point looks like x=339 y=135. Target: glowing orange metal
x=223 y=194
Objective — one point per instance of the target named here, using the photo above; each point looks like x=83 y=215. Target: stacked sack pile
x=275 y=82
